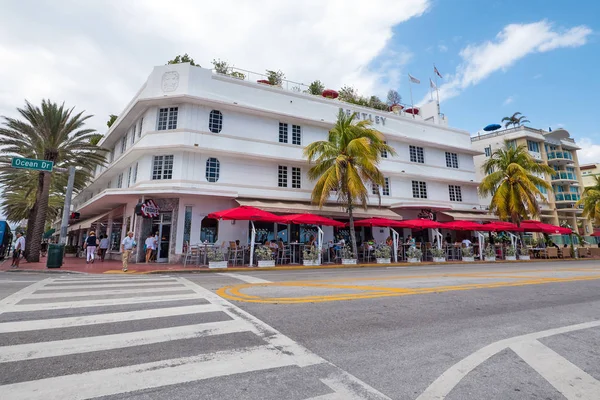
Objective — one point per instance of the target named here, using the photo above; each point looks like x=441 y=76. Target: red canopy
x=537 y=226
x=597 y=233
x=503 y=226
x=460 y=225
x=311 y=219
x=245 y=213
x=381 y=222
x=418 y=224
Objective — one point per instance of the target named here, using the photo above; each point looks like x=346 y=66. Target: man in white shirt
x=150 y=247
x=19 y=249
x=127 y=245
x=467 y=242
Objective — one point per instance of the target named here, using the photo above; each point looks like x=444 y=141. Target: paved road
x=461 y=332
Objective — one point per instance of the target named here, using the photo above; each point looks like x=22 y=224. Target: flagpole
x=412 y=104
x=437 y=91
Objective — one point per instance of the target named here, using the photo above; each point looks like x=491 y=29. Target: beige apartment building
x=556 y=149
x=588 y=172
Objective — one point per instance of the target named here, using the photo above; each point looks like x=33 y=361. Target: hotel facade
x=556 y=149
x=193 y=141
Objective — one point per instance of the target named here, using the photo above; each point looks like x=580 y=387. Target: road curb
x=46 y=271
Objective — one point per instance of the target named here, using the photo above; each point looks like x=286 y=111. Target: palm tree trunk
x=35 y=240
x=352 y=232
x=30 y=224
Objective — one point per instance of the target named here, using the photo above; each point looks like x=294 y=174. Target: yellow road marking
x=233 y=292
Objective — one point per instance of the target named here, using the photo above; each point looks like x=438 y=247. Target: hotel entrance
x=161 y=226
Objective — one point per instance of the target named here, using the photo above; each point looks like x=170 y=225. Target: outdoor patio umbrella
x=505 y=226
x=418 y=224
x=246 y=213
x=380 y=222
x=311 y=219
x=537 y=226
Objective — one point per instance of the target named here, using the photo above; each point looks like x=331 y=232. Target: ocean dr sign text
x=366 y=116
x=29 y=163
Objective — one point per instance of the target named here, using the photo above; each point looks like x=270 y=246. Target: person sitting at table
x=311 y=241
x=410 y=240
x=448 y=238
x=467 y=242
x=237 y=243
x=273 y=245
x=389 y=241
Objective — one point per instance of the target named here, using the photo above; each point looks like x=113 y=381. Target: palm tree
x=54 y=133
x=517 y=119
x=512 y=183
x=347 y=163
x=591 y=201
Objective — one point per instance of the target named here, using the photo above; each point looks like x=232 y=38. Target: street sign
x=29 y=163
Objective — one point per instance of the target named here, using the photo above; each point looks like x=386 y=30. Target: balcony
x=567 y=197
x=564 y=177
x=560 y=157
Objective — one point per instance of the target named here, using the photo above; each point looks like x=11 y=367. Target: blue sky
x=553 y=88
x=536 y=56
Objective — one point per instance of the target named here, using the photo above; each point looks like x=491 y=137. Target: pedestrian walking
x=103 y=246
x=91 y=243
x=19 y=249
x=150 y=244
x=127 y=245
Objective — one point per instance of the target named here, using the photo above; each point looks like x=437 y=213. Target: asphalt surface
x=510 y=331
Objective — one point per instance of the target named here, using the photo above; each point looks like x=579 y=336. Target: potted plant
x=511 y=253
x=467 y=254
x=439 y=255
x=383 y=254
x=310 y=256
x=489 y=253
x=275 y=78
x=347 y=256
x=414 y=255
x=524 y=253
x=216 y=259
x=264 y=255
x=70 y=251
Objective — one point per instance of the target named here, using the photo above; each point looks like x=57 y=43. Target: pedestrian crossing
x=87 y=337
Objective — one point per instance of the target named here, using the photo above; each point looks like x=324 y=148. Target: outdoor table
x=203 y=248
x=537 y=252
x=295 y=247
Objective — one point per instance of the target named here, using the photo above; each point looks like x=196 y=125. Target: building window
x=283 y=132
x=282 y=176
x=109 y=157
x=124 y=144
x=384 y=152
x=133 y=134
x=213 y=167
x=533 y=146
x=455 y=193
x=140 y=127
x=511 y=144
x=451 y=160
x=129 y=175
x=215 y=121
x=167 y=118
x=296 y=178
x=416 y=154
x=162 y=167
x=419 y=189
x=120 y=180
x=296 y=135
x=135 y=169
x=542 y=189
x=386 y=187
x=488 y=151
x=375 y=189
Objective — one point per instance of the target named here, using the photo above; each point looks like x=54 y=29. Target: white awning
x=470 y=216
x=333 y=211
x=86 y=224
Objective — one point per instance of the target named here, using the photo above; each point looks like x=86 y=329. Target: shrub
x=413 y=252
x=310 y=254
x=383 y=251
x=347 y=253
x=275 y=78
x=489 y=251
x=438 y=253
x=215 y=255
x=524 y=251
x=263 y=253
x=467 y=251
x=511 y=251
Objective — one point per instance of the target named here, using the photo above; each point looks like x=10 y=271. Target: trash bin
x=55 y=255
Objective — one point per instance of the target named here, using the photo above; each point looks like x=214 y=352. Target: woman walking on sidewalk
x=103 y=246
x=91 y=242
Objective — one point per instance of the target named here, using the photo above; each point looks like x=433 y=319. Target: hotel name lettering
x=366 y=116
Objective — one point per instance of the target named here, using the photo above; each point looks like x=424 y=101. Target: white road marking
x=16 y=281
x=108 y=285
x=158 y=291
x=345 y=388
x=245 y=278
x=8 y=303
x=29 y=351
x=83 y=281
x=568 y=379
x=100 y=302
x=440 y=388
x=57 y=323
x=113 y=381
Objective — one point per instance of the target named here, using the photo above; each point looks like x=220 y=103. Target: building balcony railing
x=567 y=197
x=564 y=176
x=560 y=156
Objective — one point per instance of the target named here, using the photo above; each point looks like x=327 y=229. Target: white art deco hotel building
x=193 y=142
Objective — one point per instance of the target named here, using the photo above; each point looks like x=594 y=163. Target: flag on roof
x=431 y=84
x=437 y=72
x=413 y=79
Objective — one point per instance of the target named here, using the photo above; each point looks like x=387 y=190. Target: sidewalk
x=78 y=265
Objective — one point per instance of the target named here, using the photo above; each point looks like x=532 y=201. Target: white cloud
x=508 y=100
x=442 y=48
x=590 y=151
x=513 y=43
x=95 y=55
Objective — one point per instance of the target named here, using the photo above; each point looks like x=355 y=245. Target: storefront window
x=115 y=235
x=282 y=233
x=264 y=231
x=209 y=230
x=187 y=226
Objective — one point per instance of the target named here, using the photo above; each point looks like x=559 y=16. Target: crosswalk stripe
x=108 y=285
x=67 y=322
x=7 y=303
x=29 y=351
x=158 y=291
x=150 y=375
x=61 y=282
x=568 y=379
x=100 y=302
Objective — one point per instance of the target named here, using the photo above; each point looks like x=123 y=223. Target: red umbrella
x=418 y=224
x=537 y=226
x=497 y=226
x=311 y=219
x=245 y=213
x=460 y=225
x=381 y=222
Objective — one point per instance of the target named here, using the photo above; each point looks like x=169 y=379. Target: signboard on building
x=30 y=163
x=147 y=209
